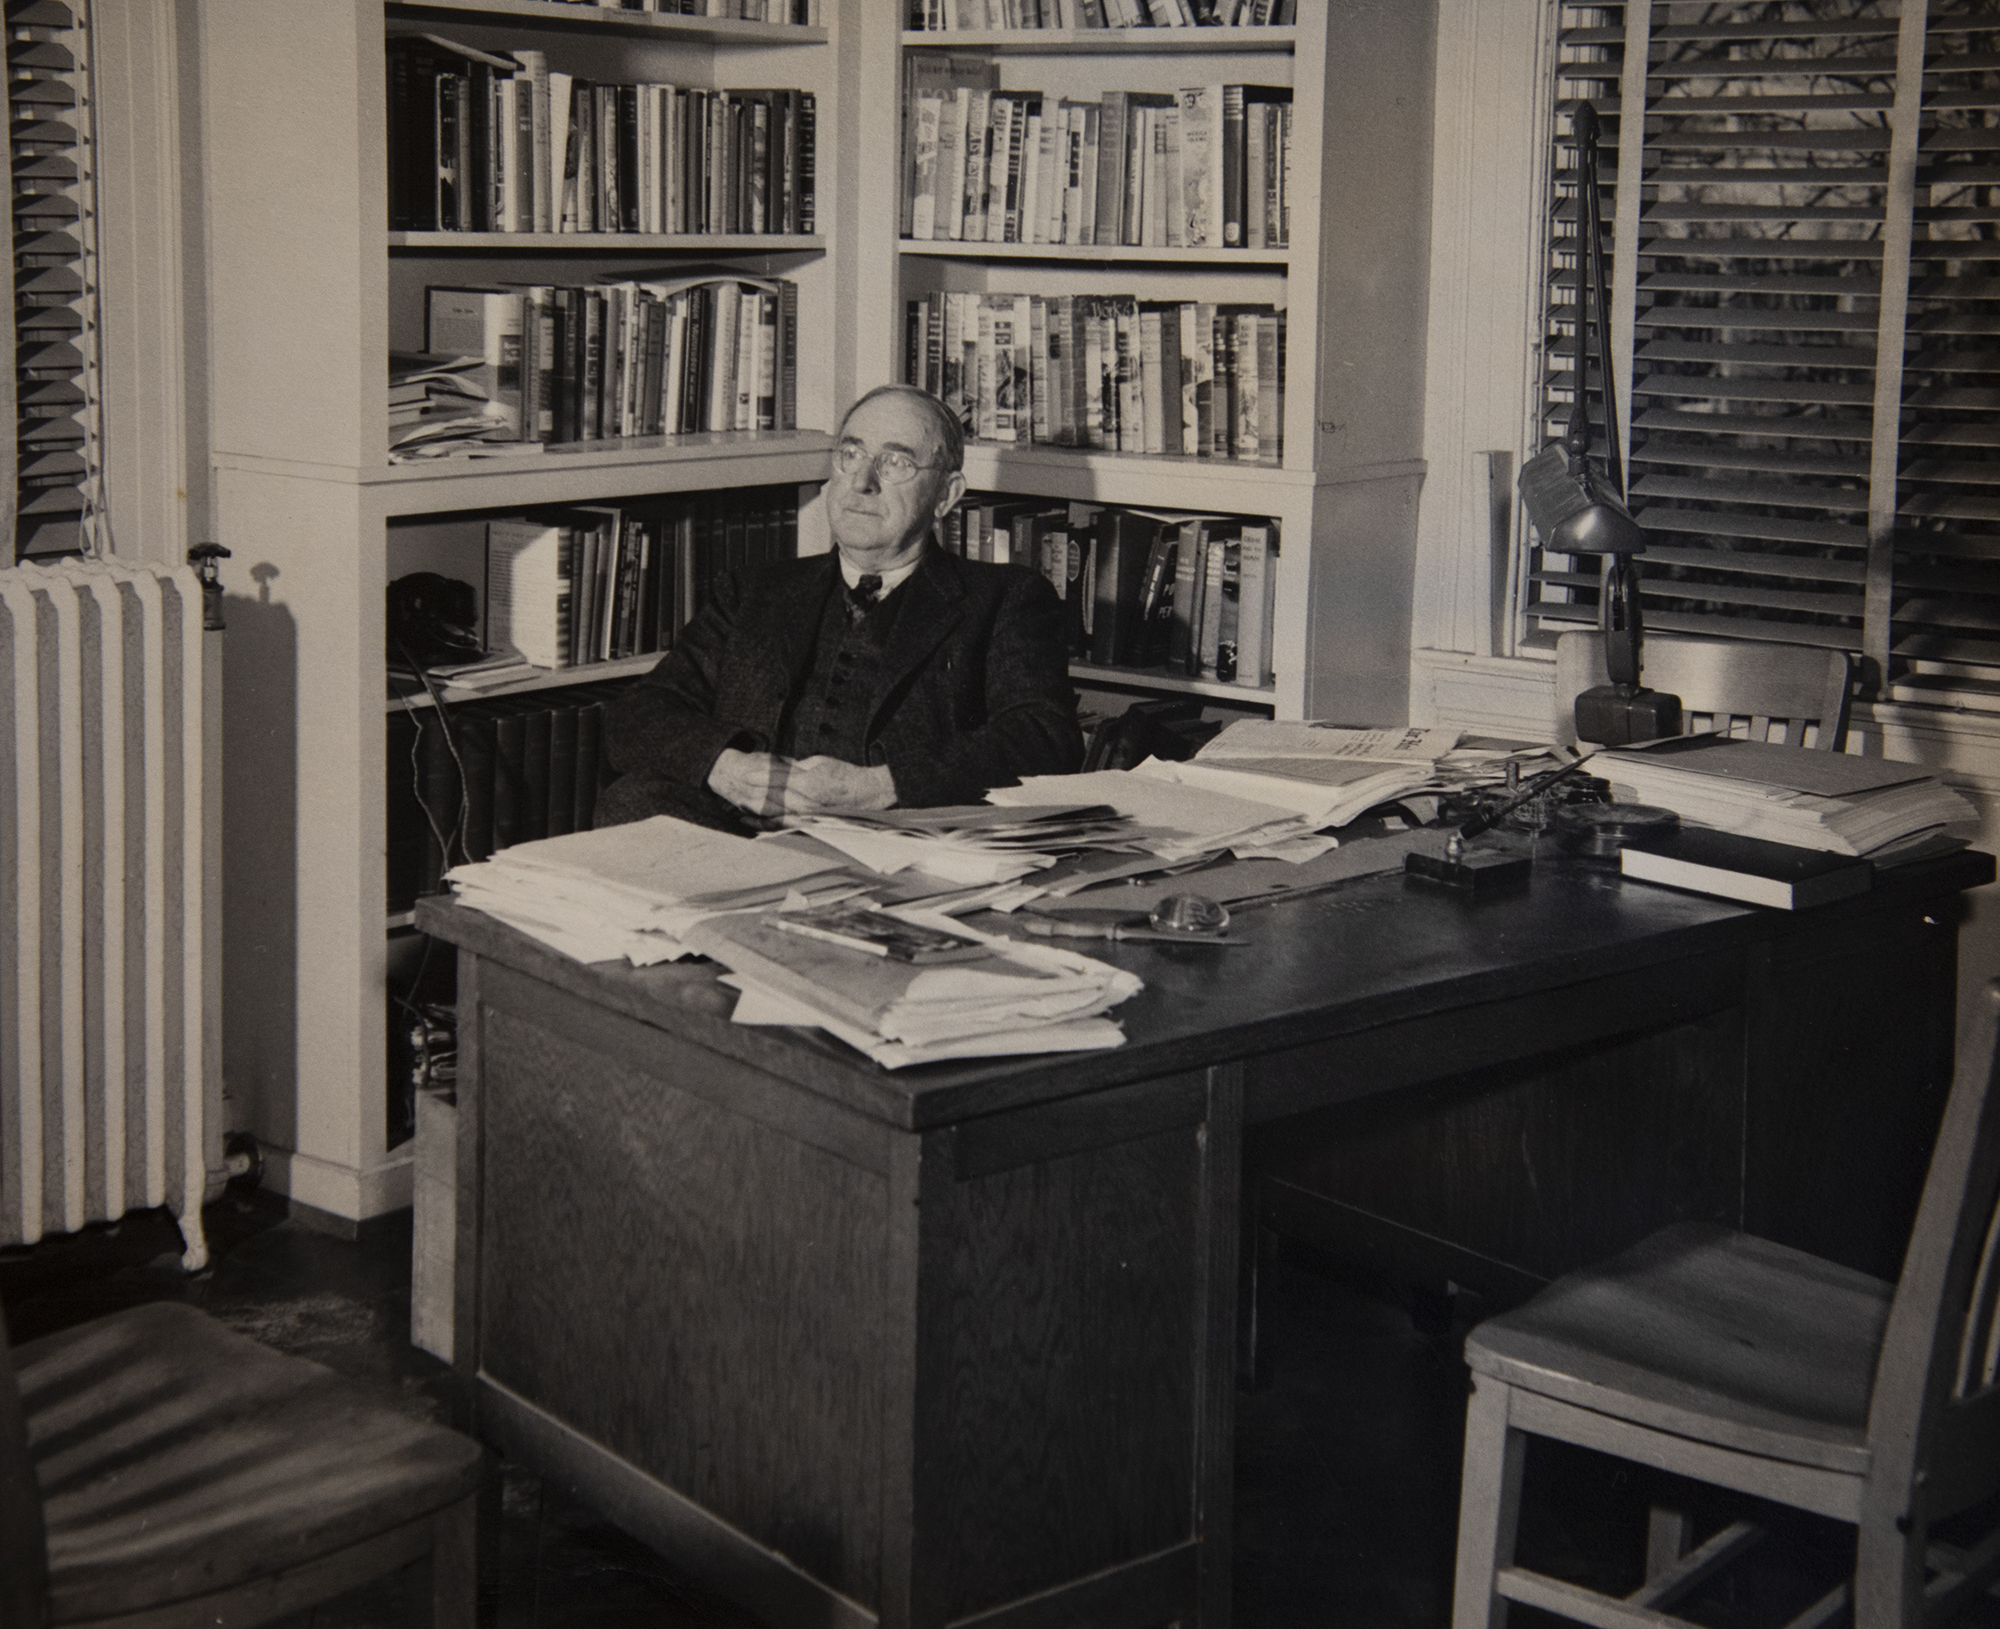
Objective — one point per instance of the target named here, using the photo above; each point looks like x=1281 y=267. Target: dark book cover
x=788 y=354
x=1156 y=600
x=445 y=207
x=589 y=744
x=1747 y=868
x=808 y=157
x=406 y=833
x=510 y=774
x=1124 y=542
x=559 y=817
x=628 y=158
x=590 y=399
x=652 y=393
x=534 y=807
x=472 y=728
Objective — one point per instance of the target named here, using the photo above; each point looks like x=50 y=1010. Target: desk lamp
x=1577 y=511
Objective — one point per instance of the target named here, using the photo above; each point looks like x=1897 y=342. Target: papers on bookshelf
x=1014 y=998
x=438 y=401
x=1822 y=800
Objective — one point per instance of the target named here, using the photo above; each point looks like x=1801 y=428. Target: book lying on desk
x=1747 y=868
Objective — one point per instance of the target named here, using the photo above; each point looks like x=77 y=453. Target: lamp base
x=1614 y=715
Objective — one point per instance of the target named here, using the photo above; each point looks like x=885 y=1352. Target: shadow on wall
x=260 y=906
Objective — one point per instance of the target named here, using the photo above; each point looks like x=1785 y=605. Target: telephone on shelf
x=433 y=620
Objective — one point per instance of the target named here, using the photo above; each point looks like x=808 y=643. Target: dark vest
x=830 y=715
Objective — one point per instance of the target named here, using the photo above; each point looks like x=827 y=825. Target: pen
x=1044 y=927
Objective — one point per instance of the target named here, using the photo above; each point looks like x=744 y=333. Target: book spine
x=1232 y=166
x=808 y=120
x=1214 y=563
x=1108 y=223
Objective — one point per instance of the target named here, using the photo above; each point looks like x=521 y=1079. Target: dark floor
x=1347 y=1465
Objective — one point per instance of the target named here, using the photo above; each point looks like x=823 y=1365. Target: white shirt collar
x=891 y=580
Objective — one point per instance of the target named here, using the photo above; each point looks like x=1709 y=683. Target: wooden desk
x=959 y=1344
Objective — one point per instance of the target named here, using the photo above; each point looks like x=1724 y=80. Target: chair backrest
x=24 y=1550
x=1753 y=688
x=1934 y=1421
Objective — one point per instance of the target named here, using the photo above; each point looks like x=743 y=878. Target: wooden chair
x=1752 y=1366
x=158 y=1471
x=1747 y=687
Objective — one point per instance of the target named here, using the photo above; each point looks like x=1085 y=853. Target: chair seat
x=1708 y=1334
x=176 y=1458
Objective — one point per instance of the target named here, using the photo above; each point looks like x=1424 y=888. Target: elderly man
x=887 y=672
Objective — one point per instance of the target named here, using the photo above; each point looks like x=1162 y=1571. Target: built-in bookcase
x=311 y=292
x=1344 y=497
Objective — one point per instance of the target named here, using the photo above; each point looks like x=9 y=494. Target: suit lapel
x=933 y=601
x=792 y=624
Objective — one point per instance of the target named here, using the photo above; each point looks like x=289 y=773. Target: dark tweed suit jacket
x=974 y=692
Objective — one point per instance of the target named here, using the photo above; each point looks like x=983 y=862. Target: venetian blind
x=1803 y=322
x=54 y=465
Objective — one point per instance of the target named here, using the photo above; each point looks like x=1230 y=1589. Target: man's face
x=877 y=522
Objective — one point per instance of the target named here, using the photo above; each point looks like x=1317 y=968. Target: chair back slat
x=24 y=1550
x=1930 y=1388
x=1745 y=686
x=1979 y=1348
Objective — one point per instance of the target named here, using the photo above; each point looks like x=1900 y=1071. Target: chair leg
x=1889 y=1576
x=1666 y=1539
x=1489 y=1506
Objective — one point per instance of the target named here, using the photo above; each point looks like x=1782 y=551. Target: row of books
x=1206 y=166
x=481 y=142
x=488 y=774
x=992 y=14
x=1193 y=594
x=1115 y=372
x=598 y=582
x=560 y=363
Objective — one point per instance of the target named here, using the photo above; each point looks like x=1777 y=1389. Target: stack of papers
x=1824 y=800
x=635 y=891
x=1012 y=998
x=437 y=403
x=1169 y=820
x=974 y=845
x=1326 y=776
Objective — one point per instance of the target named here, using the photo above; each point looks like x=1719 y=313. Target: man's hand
x=766 y=784
x=833 y=783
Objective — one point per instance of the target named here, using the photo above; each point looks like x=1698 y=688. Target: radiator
x=110 y=1078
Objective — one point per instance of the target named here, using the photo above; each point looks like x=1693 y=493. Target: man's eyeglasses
x=892 y=466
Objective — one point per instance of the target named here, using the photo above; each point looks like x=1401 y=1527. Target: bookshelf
x=1345 y=495
x=310 y=293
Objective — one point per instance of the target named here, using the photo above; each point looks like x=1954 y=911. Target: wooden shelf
x=1103 y=41
x=1168 y=682
x=610 y=243
x=541 y=678
x=611 y=20
x=1092 y=254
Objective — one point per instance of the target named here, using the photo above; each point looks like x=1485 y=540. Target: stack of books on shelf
x=1205 y=166
x=1192 y=595
x=1162 y=377
x=994 y=14
x=482 y=142
x=632 y=358
x=508 y=770
x=596 y=583
x=1781 y=794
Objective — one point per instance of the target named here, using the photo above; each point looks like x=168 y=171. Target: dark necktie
x=863 y=597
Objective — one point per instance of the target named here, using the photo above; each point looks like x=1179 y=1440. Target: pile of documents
x=976 y=844
x=635 y=891
x=1172 y=821
x=1782 y=794
x=1326 y=775
x=437 y=403
x=991 y=996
